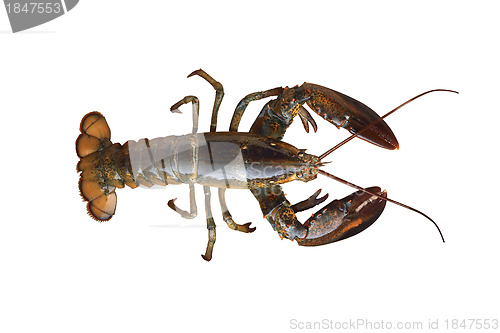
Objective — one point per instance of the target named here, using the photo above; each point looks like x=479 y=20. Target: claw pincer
x=343 y=218
x=346 y=112
x=338 y=220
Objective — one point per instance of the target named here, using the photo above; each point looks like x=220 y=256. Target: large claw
x=341 y=219
x=344 y=111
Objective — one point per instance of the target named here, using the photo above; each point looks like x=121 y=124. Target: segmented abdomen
x=193 y=158
x=162 y=161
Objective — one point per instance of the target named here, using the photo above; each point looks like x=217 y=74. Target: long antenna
x=379 y=119
x=324 y=173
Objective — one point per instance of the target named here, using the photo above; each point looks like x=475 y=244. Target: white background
x=142 y=272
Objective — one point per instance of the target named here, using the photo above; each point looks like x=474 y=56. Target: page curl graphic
x=26 y=14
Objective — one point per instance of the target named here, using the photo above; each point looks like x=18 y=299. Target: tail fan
x=95 y=136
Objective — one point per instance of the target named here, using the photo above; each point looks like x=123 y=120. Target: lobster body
x=217 y=159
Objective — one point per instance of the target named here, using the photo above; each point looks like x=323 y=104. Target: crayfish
x=258 y=161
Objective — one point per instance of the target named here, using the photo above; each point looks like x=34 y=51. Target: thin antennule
x=379 y=119
x=380 y=197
